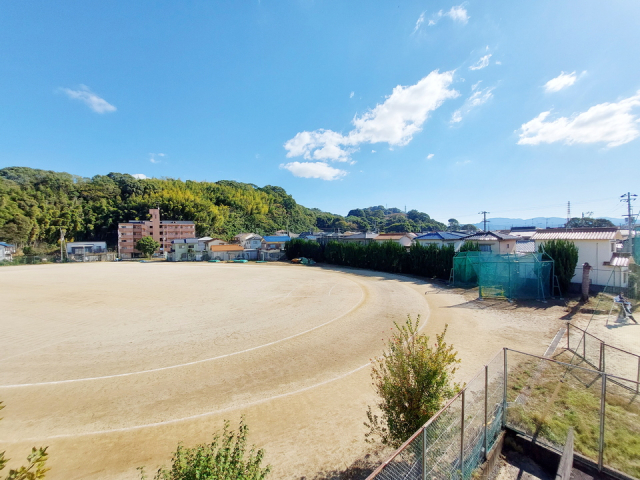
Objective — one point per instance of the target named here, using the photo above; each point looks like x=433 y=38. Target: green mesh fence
x=636 y=247
x=510 y=276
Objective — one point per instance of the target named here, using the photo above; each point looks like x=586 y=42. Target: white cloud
x=482 y=63
x=431 y=23
x=430 y=156
x=475 y=85
x=139 y=176
x=477 y=98
x=314 y=170
x=419 y=22
x=458 y=14
x=394 y=122
x=373 y=151
x=561 y=81
x=93 y=101
x=463 y=162
x=498 y=62
x=610 y=123
x=351 y=94
x=153 y=159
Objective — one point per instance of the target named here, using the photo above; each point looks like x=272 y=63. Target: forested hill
x=35 y=204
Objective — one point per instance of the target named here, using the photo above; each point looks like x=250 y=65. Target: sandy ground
x=113 y=364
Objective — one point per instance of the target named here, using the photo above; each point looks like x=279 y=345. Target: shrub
x=565 y=258
x=225 y=458
x=413 y=380
x=34 y=470
x=147 y=245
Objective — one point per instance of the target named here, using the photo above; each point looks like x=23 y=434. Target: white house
x=82 y=248
x=453 y=239
x=6 y=251
x=249 y=241
x=404 y=239
x=494 y=242
x=598 y=248
x=3 y=255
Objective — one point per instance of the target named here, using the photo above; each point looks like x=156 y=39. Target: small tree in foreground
x=225 y=458
x=564 y=254
x=147 y=245
x=413 y=381
x=35 y=468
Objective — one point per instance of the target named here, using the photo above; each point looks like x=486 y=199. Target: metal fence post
x=462 y=438
x=504 y=391
x=568 y=335
x=638 y=379
x=603 y=396
x=486 y=395
x=424 y=453
x=584 y=345
x=601 y=362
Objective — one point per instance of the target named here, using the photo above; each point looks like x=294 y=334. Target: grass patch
x=545 y=400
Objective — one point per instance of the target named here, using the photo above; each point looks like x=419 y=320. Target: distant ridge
x=500 y=223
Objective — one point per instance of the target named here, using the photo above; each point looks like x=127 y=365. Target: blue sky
x=449 y=108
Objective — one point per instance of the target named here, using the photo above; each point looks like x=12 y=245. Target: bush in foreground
x=225 y=458
x=413 y=380
x=35 y=468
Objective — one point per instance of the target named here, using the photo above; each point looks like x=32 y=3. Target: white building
x=598 y=248
x=249 y=240
x=452 y=239
x=82 y=248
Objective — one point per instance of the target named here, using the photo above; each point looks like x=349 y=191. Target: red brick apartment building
x=162 y=231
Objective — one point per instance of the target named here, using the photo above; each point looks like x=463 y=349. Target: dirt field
x=113 y=364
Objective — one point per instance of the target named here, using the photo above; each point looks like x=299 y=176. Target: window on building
x=625 y=277
x=485 y=248
x=613 y=246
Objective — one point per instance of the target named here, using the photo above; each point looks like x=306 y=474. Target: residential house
x=404 y=239
x=6 y=251
x=248 y=240
x=494 y=242
x=597 y=247
x=274 y=242
x=214 y=241
x=82 y=248
x=187 y=250
x=226 y=252
x=360 y=238
x=525 y=233
x=162 y=231
x=452 y=239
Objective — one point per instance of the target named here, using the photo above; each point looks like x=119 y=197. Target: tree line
x=35 y=204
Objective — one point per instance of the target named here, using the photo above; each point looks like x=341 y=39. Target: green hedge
x=426 y=261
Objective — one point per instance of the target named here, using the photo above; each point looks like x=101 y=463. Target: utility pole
x=630 y=197
x=62 y=232
x=485 y=219
x=568 y=213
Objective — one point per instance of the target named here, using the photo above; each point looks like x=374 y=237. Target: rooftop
x=577 y=234
x=484 y=236
x=442 y=236
x=276 y=238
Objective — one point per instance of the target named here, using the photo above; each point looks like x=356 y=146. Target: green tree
x=35 y=468
x=413 y=380
x=453 y=224
x=147 y=245
x=565 y=258
x=468 y=246
x=225 y=458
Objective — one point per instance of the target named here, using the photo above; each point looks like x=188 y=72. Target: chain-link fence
x=603 y=357
x=455 y=441
x=539 y=397
x=546 y=397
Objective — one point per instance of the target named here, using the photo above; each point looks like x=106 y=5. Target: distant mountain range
x=539 y=222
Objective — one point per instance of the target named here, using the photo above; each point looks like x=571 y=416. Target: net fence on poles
x=525 y=276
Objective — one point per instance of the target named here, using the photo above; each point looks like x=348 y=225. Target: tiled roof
x=577 y=234
x=442 y=236
x=525 y=246
x=226 y=248
x=620 y=259
x=4 y=244
x=276 y=238
x=361 y=236
x=489 y=236
x=392 y=236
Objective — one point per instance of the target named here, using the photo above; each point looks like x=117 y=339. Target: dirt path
x=111 y=365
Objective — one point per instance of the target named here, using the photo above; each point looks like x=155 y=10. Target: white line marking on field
x=58 y=382
x=206 y=414
x=331 y=290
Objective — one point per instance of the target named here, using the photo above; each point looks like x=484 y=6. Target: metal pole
x=424 y=453
x=568 y=335
x=462 y=439
x=601 y=362
x=486 y=398
x=638 y=377
x=504 y=392
x=584 y=345
x=603 y=396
